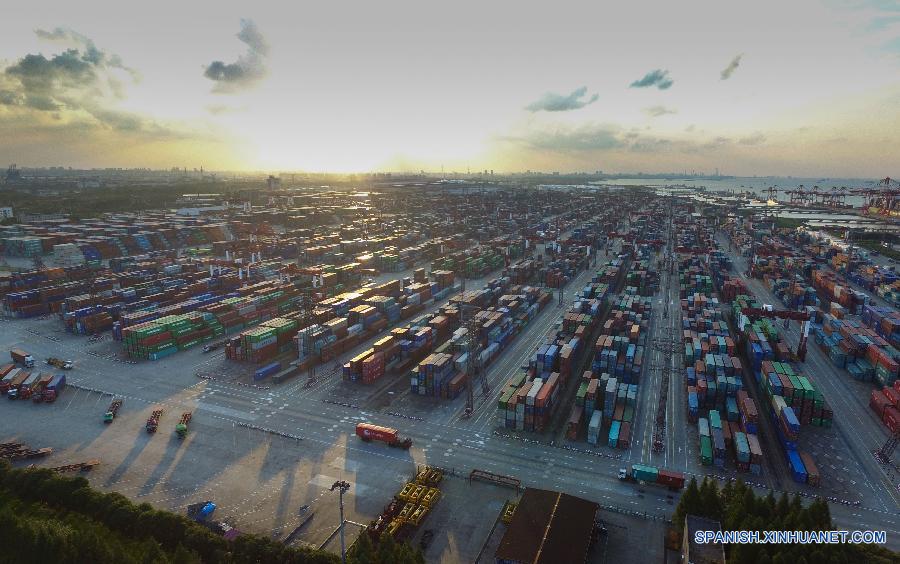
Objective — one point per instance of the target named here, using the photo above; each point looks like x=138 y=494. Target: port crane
x=884 y=199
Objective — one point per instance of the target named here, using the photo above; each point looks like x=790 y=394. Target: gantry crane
x=801 y=316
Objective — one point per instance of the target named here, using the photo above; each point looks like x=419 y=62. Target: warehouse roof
x=548 y=527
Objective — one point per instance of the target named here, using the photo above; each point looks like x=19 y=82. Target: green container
x=715 y=421
x=644 y=473
x=706 y=451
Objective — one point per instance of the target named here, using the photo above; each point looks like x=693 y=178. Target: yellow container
x=406 y=511
x=406 y=491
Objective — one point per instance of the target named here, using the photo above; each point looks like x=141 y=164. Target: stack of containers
x=620 y=348
x=714 y=374
x=886 y=403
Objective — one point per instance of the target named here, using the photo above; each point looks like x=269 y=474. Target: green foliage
x=736 y=507
x=386 y=551
x=45 y=517
x=89 y=203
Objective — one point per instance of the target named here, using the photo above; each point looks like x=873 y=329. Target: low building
x=693 y=553
x=547 y=528
x=200 y=210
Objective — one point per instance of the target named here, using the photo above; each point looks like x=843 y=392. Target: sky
x=802 y=88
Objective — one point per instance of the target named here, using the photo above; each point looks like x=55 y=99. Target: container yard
x=610 y=344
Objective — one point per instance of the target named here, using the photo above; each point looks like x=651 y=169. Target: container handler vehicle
x=369 y=432
x=182 y=428
x=61 y=364
x=112 y=411
x=153 y=421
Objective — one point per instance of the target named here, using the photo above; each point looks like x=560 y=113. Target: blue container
x=798 y=470
x=266 y=371
x=614 y=434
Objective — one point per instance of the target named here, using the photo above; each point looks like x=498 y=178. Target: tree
x=689 y=504
x=362 y=550
x=50 y=518
x=710 y=503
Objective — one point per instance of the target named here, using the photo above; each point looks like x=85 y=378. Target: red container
x=892 y=395
x=624 y=435
x=891 y=419
x=368 y=432
x=670 y=479
x=878 y=402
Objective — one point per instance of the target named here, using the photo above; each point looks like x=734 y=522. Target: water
x=756 y=184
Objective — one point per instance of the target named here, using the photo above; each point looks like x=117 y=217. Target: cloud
x=564 y=138
x=659 y=78
x=90 y=51
x=656 y=111
x=221 y=109
x=552 y=102
x=754 y=139
x=717 y=142
x=77 y=86
x=249 y=67
x=732 y=66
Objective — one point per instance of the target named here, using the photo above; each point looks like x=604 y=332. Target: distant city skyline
x=807 y=89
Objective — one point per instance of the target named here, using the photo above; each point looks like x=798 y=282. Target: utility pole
x=342 y=486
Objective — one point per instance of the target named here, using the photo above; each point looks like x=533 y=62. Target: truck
x=153 y=421
x=23 y=387
x=369 y=432
x=28 y=387
x=61 y=364
x=21 y=357
x=644 y=474
x=182 y=428
x=112 y=411
x=6 y=369
x=12 y=379
x=37 y=391
x=54 y=388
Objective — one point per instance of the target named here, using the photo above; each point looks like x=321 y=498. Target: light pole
x=342 y=486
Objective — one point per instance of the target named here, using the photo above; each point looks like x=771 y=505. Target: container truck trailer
x=153 y=421
x=12 y=379
x=182 y=428
x=30 y=385
x=368 y=432
x=37 y=391
x=21 y=357
x=112 y=411
x=23 y=387
x=54 y=388
x=643 y=474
